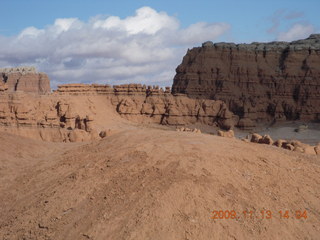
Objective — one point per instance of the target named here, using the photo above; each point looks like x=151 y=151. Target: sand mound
x=157 y=184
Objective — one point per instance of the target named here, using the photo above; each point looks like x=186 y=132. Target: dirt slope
x=155 y=184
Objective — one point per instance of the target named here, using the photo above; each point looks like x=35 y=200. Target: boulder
x=228 y=134
x=288 y=146
x=255 y=137
x=266 y=139
x=105 y=133
x=279 y=142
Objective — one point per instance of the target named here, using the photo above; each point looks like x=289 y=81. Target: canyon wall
x=25 y=79
x=80 y=112
x=152 y=104
x=260 y=82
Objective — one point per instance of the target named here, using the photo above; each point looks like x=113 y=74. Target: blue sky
x=102 y=41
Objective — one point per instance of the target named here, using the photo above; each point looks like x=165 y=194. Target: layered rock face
x=152 y=104
x=259 y=82
x=78 y=112
x=48 y=118
x=173 y=110
x=25 y=79
x=126 y=89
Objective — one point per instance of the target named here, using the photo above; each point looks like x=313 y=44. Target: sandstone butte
x=25 y=79
x=259 y=82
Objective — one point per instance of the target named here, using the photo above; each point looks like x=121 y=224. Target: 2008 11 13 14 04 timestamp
x=262 y=214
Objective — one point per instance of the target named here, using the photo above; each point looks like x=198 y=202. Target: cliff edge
x=260 y=82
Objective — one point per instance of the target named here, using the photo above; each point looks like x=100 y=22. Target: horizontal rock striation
x=173 y=110
x=259 y=82
x=49 y=118
x=78 y=112
x=126 y=89
x=152 y=104
x=79 y=88
x=25 y=79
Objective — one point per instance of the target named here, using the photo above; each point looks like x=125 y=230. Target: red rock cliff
x=258 y=81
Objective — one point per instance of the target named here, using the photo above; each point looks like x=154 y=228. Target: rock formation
x=173 y=110
x=48 y=118
x=292 y=145
x=84 y=89
x=228 y=134
x=69 y=114
x=124 y=89
x=25 y=79
x=258 y=81
x=152 y=104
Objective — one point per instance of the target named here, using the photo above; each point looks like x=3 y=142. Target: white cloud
x=297 y=31
x=199 y=31
x=31 y=32
x=145 y=48
x=63 y=25
x=146 y=21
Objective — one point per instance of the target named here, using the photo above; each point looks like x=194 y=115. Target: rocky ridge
x=152 y=104
x=127 y=89
x=78 y=112
x=260 y=82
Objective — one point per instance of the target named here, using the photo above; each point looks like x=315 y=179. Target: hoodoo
x=258 y=81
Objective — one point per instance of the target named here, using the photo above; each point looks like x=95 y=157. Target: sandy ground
x=156 y=184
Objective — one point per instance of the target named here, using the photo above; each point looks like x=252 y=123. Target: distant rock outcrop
x=168 y=109
x=70 y=113
x=259 y=82
x=25 y=79
x=124 y=89
x=152 y=104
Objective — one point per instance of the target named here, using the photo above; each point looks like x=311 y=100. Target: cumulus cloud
x=145 y=48
x=297 y=31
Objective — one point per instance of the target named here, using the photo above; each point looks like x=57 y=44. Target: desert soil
x=156 y=184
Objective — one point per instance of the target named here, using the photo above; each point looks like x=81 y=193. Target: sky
x=137 y=41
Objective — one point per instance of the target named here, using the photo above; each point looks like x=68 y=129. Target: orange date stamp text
x=262 y=214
